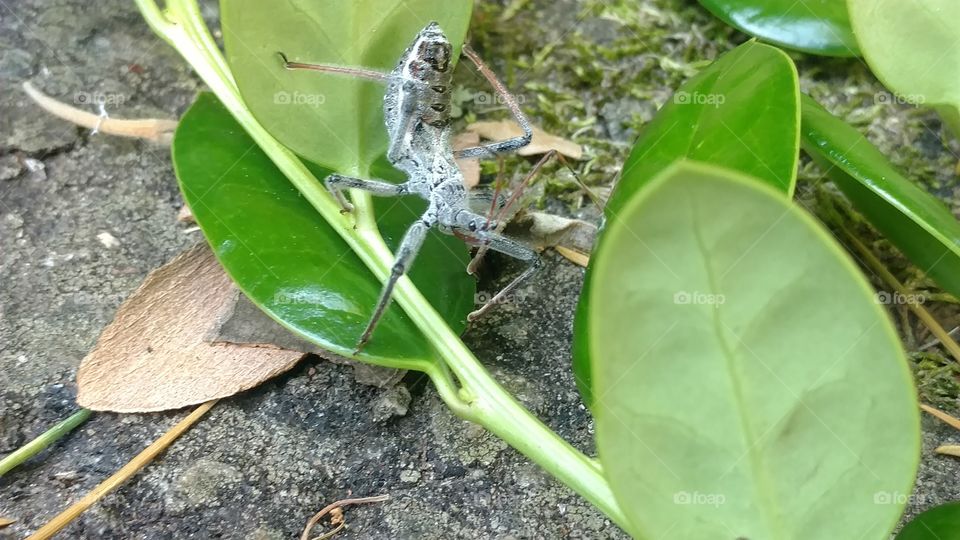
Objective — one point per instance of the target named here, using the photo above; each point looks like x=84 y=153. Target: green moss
x=599 y=81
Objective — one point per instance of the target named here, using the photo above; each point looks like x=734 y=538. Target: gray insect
x=416 y=110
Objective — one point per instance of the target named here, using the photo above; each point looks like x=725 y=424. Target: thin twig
x=925 y=317
x=946 y=418
x=125 y=472
x=333 y=506
x=4 y=522
x=49 y=437
x=154 y=129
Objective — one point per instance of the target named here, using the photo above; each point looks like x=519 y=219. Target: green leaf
x=290 y=262
x=914 y=220
x=335 y=121
x=820 y=27
x=741 y=112
x=939 y=523
x=912 y=48
x=748 y=385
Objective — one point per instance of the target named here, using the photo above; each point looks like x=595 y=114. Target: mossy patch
x=598 y=80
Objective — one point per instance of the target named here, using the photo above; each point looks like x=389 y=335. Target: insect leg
x=518 y=191
x=406 y=253
x=508 y=145
x=507 y=246
x=336 y=184
x=514 y=197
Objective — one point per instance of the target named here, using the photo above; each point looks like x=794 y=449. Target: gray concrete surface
x=261 y=463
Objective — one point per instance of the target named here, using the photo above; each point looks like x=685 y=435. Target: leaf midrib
x=761 y=480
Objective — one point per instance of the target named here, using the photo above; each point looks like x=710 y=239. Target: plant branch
x=49 y=437
x=481 y=399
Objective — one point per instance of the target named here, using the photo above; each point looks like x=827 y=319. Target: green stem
x=51 y=436
x=481 y=399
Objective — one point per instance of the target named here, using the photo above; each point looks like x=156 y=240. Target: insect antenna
x=361 y=73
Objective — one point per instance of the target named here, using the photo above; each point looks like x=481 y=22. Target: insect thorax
x=417 y=101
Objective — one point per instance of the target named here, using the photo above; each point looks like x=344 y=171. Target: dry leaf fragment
x=247 y=324
x=470 y=167
x=549 y=230
x=154 y=356
x=4 y=522
x=574 y=256
x=153 y=129
x=542 y=141
x=185 y=215
x=949 y=450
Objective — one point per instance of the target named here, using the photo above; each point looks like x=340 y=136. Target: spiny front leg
x=336 y=184
x=507 y=246
x=509 y=145
x=409 y=247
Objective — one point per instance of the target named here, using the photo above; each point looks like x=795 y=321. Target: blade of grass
x=141 y=460
x=946 y=418
x=49 y=437
x=925 y=317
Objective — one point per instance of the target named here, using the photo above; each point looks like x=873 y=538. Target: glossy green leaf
x=741 y=112
x=747 y=383
x=940 y=523
x=914 y=220
x=913 y=48
x=335 y=121
x=818 y=27
x=289 y=261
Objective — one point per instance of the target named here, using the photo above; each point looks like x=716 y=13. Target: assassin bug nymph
x=417 y=116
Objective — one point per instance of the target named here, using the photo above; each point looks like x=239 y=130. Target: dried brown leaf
x=155 y=354
x=249 y=325
x=470 y=167
x=544 y=230
x=541 y=143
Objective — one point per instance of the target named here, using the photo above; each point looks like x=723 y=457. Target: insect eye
x=472 y=225
x=438 y=55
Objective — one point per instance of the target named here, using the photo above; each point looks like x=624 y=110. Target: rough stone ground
x=260 y=463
